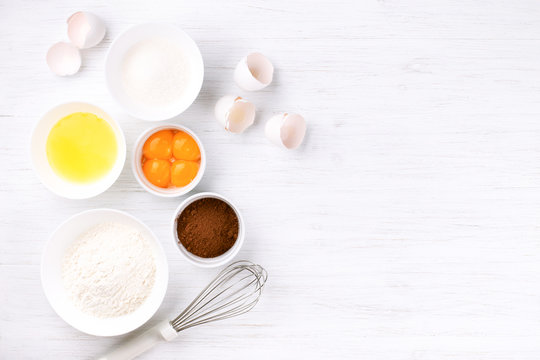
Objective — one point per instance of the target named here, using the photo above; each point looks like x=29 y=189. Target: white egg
x=286 y=130
x=254 y=72
x=234 y=113
x=85 y=29
x=64 y=59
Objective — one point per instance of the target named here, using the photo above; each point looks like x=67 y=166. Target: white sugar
x=156 y=72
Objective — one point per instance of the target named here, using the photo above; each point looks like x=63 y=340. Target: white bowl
x=44 y=171
x=136 y=163
x=116 y=55
x=51 y=274
x=218 y=260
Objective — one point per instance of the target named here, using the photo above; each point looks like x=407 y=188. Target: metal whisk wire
x=235 y=291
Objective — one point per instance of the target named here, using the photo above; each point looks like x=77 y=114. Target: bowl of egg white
x=77 y=150
x=154 y=71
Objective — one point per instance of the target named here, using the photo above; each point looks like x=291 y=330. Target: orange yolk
x=183 y=172
x=159 y=145
x=170 y=158
x=185 y=147
x=158 y=172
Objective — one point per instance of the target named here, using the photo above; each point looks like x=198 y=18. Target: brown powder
x=207 y=227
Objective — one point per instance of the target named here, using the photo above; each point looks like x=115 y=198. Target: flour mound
x=110 y=270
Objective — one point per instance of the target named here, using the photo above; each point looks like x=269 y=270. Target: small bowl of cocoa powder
x=208 y=229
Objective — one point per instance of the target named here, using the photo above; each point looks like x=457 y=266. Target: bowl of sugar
x=154 y=71
x=104 y=272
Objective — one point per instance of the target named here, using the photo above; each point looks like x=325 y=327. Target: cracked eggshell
x=234 y=113
x=85 y=29
x=286 y=130
x=254 y=72
x=64 y=59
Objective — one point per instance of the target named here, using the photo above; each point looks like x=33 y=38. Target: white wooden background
x=407 y=226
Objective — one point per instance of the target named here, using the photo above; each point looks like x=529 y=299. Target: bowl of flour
x=154 y=71
x=104 y=272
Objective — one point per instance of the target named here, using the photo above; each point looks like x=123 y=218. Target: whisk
x=235 y=291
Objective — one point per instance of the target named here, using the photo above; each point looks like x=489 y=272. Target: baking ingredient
x=286 y=130
x=159 y=145
x=171 y=158
x=254 y=72
x=64 y=59
x=208 y=227
x=234 y=113
x=183 y=172
x=185 y=147
x=81 y=147
x=109 y=271
x=156 y=72
x=85 y=29
x=158 y=172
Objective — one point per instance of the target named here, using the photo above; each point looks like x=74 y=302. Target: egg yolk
x=159 y=145
x=158 y=172
x=185 y=147
x=170 y=158
x=183 y=172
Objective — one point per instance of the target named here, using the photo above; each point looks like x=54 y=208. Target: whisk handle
x=139 y=344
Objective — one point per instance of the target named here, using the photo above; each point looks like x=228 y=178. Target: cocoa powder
x=207 y=227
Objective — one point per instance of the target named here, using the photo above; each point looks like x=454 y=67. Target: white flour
x=109 y=271
x=156 y=72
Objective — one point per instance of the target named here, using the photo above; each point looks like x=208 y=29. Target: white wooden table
x=407 y=226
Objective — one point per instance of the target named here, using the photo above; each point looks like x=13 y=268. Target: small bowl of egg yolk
x=168 y=160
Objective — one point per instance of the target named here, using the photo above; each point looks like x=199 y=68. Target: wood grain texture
x=405 y=227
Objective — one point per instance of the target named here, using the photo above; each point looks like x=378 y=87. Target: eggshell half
x=64 y=59
x=254 y=72
x=286 y=130
x=85 y=29
x=234 y=113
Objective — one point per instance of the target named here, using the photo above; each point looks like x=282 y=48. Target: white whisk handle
x=136 y=346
